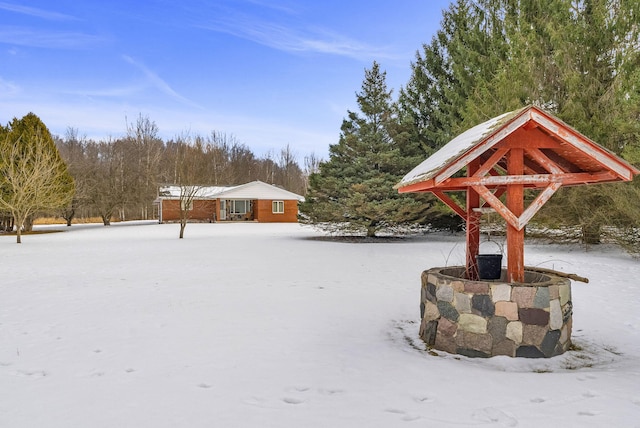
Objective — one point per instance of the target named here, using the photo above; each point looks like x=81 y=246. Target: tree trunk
x=183 y=224
x=19 y=222
x=28 y=223
x=591 y=234
x=69 y=215
x=106 y=220
x=371 y=231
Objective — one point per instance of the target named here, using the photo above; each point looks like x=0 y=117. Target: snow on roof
x=455 y=148
x=203 y=192
x=253 y=190
x=259 y=190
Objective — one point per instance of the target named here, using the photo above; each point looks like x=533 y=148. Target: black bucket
x=489 y=266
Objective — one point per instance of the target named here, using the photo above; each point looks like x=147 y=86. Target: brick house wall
x=263 y=212
x=203 y=210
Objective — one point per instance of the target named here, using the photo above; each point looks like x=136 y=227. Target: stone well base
x=489 y=318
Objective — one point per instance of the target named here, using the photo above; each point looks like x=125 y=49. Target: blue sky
x=270 y=73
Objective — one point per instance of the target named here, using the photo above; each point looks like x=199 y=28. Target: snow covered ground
x=256 y=325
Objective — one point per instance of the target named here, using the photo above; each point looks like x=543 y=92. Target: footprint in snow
x=410 y=418
x=493 y=415
x=405 y=416
x=292 y=400
x=298 y=389
x=204 y=385
x=538 y=400
x=587 y=377
x=33 y=373
x=421 y=399
x=255 y=401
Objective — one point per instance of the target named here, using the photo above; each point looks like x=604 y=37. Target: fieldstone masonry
x=488 y=318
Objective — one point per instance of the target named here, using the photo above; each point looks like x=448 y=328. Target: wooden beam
x=473 y=226
x=488 y=165
x=497 y=193
x=517 y=222
x=421 y=186
x=515 y=204
x=448 y=201
x=497 y=205
x=537 y=180
x=525 y=138
x=562 y=161
x=544 y=161
x=537 y=203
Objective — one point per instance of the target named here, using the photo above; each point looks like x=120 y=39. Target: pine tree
x=353 y=190
x=427 y=99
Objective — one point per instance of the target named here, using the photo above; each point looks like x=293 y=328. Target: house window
x=277 y=207
x=239 y=207
x=186 y=205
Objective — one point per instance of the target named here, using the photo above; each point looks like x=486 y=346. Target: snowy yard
x=259 y=325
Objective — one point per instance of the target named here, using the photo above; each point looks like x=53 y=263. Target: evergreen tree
x=33 y=176
x=578 y=60
x=468 y=49
x=353 y=190
x=427 y=99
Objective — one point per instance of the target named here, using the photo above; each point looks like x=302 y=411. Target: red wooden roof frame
x=524 y=149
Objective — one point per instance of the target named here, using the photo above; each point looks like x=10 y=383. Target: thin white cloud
x=38 y=13
x=43 y=39
x=290 y=39
x=158 y=82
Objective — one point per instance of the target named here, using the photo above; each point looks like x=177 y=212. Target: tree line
x=119 y=178
x=577 y=59
x=74 y=177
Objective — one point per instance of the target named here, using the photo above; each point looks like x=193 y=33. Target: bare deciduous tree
x=146 y=152
x=191 y=171
x=108 y=180
x=72 y=150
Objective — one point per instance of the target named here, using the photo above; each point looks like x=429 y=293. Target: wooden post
x=473 y=226
x=515 y=204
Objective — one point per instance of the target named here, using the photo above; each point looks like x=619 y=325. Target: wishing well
x=520 y=311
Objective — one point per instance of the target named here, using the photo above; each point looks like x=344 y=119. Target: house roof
x=259 y=190
x=534 y=130
x=253 y=190
x=203 y=192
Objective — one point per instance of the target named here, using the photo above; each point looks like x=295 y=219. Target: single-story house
x=255 y=201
